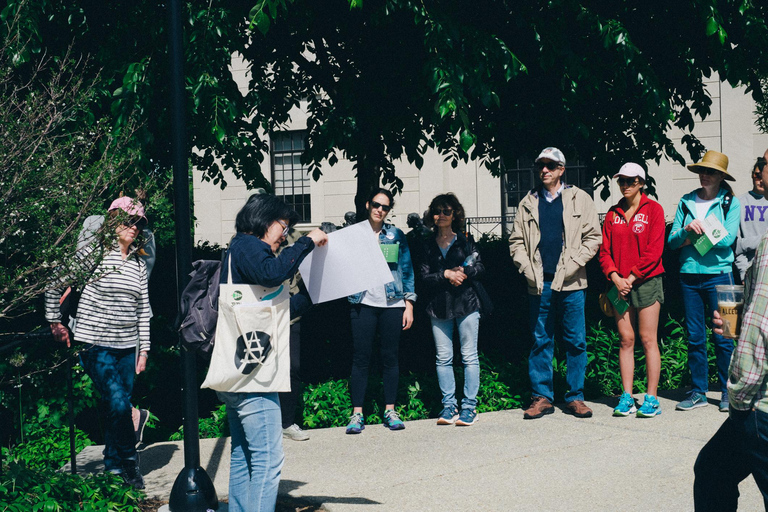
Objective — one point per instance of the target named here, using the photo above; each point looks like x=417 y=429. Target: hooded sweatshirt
x=752 y=227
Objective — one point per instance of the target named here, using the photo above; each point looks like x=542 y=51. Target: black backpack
x=199 y=310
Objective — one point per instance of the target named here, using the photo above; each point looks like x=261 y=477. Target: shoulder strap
x=727 y=201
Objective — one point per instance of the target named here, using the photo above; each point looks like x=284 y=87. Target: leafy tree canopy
x=386 y=79
x=501 y=79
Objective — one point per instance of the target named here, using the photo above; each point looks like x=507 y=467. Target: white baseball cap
x=631 y=170
x=553 y=154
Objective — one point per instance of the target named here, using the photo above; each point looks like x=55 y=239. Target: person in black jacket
x=449 y=269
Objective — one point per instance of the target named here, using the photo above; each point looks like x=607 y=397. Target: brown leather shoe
x=538 y=408
x=579 y=409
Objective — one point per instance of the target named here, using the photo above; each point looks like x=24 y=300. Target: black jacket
x=444 y=300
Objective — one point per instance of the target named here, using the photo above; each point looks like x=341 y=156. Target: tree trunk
x=367 y=182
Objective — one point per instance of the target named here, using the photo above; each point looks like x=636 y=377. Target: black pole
x=193 y=490
x=502 y=200
x=71 y=417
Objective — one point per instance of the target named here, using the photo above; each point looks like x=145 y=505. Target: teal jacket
x=720 y=258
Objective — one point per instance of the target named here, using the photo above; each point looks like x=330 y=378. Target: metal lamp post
x=193 y=490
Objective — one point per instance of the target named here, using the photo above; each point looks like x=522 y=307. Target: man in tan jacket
x=556 y=232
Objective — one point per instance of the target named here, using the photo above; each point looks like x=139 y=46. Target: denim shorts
x=648 y=293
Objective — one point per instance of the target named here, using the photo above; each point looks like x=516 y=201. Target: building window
x=521 y=177
x=290 y=179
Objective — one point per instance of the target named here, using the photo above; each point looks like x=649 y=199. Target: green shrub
x=327 y=404
x=46 y=446
x=602 y=377
x=412 y=406
x=213 y=427
x=24 y=489
x=497 y=385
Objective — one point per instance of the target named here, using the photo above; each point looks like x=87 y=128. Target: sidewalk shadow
x=680 y=394
x=155 y=457
x=215 y=459
x=288 y=486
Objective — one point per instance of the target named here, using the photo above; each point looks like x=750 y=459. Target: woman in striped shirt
x=113 y=319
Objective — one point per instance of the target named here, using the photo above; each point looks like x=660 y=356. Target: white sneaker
x=294 y=432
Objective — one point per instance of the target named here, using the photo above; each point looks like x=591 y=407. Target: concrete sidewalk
x=502 y=463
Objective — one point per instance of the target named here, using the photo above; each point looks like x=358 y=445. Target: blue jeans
x=112 y=371
x=568 y=308
x=699 y=289
x=738 y=449
x=257 y=450
x=442 y=330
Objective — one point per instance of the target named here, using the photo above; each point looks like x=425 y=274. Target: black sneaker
x=143 y=417
x=131 y=474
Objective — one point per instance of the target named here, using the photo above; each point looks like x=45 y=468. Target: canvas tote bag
x=251 y=353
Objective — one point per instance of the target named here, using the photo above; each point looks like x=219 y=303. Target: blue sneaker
x=650 y=407
x=724 y=402
x=466 y=418
x=693 y=401
x=356 y=423
x=392 y=420
x=626 y=405
x=448 y=416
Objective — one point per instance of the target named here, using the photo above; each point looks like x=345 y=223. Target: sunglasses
x=286 y=228
x=626 y=182
x=384 y=207
x=445 y=211
x=139 y=222
x=549 y=165
x=708 y=171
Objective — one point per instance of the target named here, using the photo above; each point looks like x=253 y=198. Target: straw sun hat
x=713 y=160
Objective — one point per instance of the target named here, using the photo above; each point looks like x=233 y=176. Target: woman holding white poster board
x=706 y=224
x=384 y=310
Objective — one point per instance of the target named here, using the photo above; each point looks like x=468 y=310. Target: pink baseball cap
x=630 y=170
x=129 y=205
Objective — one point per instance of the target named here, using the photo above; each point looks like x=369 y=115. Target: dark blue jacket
x=253 y=261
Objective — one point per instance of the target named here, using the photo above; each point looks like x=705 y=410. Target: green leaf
x=467 y=140
x=262 y=22
x=712 y=26
x=355 y=4
x=721 y=35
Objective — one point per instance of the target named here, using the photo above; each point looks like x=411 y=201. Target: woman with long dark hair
x=699 y=274
x=449 y=270
x=254 y=418
x=386 y=310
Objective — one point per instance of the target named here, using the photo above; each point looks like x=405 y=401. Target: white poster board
x=351 y=262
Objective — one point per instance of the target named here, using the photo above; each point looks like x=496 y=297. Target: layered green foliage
x=24 y=489
x=383 y=80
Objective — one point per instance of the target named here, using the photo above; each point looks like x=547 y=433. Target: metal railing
x=478 y=226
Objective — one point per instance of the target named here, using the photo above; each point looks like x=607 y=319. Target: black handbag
x=486 y=304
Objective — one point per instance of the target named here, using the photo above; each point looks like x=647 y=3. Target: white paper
x=714 y=229
x=351 y=262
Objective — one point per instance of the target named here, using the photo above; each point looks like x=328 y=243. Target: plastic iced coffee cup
x=730 y=303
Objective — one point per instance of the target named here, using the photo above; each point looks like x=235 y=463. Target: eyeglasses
x=445 y=211
x=708 y=171
x=286 y=228
x=384 y=207
x=627 y=182
x=549 y=165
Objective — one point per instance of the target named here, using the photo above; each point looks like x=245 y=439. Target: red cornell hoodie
x=635 y=246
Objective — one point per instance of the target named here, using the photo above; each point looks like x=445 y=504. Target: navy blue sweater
x=551 y=225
